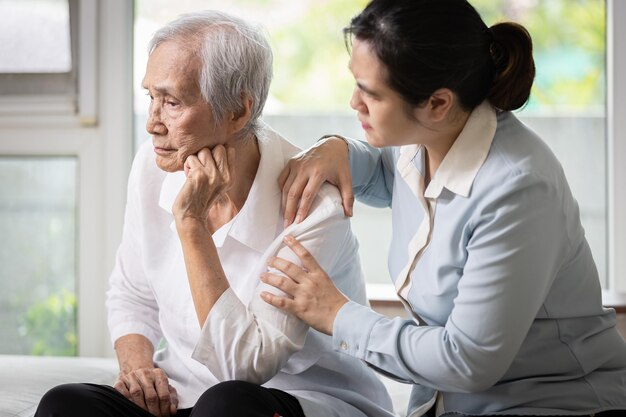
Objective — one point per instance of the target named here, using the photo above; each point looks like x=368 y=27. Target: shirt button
x=343 y=345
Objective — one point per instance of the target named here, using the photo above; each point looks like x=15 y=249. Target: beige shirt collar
x=467 y=155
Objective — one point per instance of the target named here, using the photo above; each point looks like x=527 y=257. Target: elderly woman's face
x=179 y=119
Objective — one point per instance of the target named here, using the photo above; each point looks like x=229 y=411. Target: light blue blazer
x=504 y=292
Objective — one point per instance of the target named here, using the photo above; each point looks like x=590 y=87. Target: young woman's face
x=382 y=111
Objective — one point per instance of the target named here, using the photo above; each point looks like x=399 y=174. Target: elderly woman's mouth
x=163 y=151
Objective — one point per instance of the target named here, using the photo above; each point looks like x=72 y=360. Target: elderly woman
x=191 y=333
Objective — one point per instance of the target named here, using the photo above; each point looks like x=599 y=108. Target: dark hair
x=430 y=44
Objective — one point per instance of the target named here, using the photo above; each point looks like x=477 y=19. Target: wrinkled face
x=179 y=119
x=381 y=110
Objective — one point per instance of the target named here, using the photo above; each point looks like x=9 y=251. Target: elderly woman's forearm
x=207 y=280
x=134 y=351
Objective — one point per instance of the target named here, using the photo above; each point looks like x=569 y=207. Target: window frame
x=75 y=104
x=616 y=149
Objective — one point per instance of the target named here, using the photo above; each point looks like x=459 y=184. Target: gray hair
x=236 y=60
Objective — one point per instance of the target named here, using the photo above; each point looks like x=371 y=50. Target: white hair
x=236 y=60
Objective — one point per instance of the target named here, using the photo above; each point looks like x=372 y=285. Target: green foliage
x=311 y=60
x=49 y=325
x=569 y=40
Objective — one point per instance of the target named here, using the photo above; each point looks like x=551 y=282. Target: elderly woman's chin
x=169 y=164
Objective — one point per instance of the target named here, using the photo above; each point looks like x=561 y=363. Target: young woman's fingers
x=308 y=261
x=347 y=195
x=307 y=197
x=290 y=269
x=291 y=198
x=284 y=175
x=282 y=303
x=283 y=283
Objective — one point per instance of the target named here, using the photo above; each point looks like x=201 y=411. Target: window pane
x=312 y=86
x=38 y=255
x=35 y=36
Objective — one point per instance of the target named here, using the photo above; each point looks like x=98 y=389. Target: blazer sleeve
x=517 y=244
x=372 y=173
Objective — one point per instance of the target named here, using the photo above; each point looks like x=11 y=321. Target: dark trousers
x=231 y=398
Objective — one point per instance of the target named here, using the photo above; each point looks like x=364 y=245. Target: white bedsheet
x=25 y=379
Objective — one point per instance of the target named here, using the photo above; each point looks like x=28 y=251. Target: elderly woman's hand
x=305 y=173
x=314 y=298
x=209 y=176
x=149 y=388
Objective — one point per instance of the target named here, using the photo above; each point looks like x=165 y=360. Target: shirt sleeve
x=252 y=343
x=372 y=173
x=131 y=306
x=516 y=245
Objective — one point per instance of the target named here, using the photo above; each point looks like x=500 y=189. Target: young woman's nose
x=356 y=102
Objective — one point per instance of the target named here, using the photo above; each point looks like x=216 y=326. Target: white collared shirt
x=243 y=337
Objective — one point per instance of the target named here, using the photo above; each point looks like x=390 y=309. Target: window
x=63 y=170
x=35 y=37
x=38 y=257
x=48 y=69
x=38 y=194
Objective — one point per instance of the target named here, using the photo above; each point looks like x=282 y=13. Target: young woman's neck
x=447 y=133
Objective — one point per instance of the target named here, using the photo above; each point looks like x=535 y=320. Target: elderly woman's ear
x=240 y=119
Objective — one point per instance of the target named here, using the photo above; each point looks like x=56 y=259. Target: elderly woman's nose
x=155 y=125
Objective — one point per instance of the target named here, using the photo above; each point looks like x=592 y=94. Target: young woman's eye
x=367 y=94
x=369 y=97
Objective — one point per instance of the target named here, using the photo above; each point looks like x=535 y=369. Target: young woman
x=488 y=253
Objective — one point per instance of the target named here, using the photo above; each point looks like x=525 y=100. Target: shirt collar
x=468 y=153
x=256 y=224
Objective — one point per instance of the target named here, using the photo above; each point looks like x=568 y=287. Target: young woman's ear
x=440 y=104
